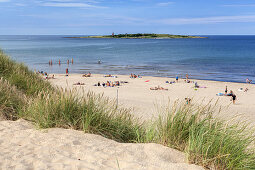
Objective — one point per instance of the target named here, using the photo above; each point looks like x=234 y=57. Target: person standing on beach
x=68 y=62
x=59 y=62
x=72 y=60
x=176 y=78
x=67 y=72
x=187 y=78
x=233 y=98
x=226 y=90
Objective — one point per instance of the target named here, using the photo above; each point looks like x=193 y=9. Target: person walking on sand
x=233 y=98
x=67 y=72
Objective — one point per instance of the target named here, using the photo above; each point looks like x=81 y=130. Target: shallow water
x=221 y=58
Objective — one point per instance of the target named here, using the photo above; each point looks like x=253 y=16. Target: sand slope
x=24 y=147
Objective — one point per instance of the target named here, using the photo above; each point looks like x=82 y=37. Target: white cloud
x=207 y=20
x=240 y=5
x=73 y=5
x=164 y=3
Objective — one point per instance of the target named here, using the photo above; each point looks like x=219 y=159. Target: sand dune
x=24 y=147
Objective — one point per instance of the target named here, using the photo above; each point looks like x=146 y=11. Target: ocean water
x=221 y=58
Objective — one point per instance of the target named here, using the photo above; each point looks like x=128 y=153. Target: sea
x=218 y=57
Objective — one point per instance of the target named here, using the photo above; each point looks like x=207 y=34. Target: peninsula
x=140 y=36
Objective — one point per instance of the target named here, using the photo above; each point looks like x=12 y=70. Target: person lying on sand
x=196 y=85
x=109 y=75
x=78 y=83
x=87 y=75
x=158 y=88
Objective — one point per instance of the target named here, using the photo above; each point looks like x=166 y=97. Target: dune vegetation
x=207 y=140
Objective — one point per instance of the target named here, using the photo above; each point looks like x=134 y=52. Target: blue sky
x=92 y=17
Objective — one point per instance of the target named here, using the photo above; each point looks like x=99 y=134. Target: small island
x=141 y=36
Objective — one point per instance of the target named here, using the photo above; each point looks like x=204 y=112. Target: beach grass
x=91 y=113
x=207 y=140
x=20 y=76
x=11 y=100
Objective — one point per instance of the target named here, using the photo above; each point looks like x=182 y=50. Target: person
x=233 y=98
x=226 y=90
x=187 y=100
x=112 y=85
x=98 y=84
x=117 y=83
x=131 y=76
x=51 y=62
x=72 y=60
x=196 y=85
x=187 y=77
x=248 y=80
x=107 y=84
x=176 y=78
x=59 y=62
x=67 y=61
x=67 y=72
x=99 y=62
x=78 y=83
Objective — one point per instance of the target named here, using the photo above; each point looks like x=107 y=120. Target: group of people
x=248 y=81
x=59 y=62
x=135 y=76
x=158 y=88
x=108 y=84
x=231 y=93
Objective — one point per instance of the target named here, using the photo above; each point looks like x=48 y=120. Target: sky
x=102 y=17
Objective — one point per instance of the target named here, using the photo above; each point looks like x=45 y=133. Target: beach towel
x=147 y=80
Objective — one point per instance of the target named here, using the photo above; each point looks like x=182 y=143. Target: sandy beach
x=146 y=103
x=24 y=147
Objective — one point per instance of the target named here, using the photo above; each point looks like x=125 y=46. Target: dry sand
x=23 y=147
x=145 y=102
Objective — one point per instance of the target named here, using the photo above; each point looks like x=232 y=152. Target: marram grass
x=207 y=140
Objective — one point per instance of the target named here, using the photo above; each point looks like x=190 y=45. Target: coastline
x=137 y=94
